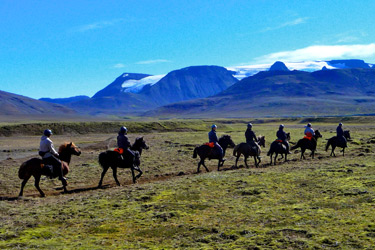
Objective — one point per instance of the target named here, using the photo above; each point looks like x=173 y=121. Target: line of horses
x=111 y=159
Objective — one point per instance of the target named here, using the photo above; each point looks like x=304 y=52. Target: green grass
x=324 y=203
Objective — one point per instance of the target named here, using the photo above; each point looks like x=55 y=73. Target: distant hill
x=132 y=94
x=12 y=104
x=286 y=93
x=278 y=66
x=189 y=83
x=65 y=100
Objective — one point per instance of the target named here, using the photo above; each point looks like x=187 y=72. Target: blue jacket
x=281 y=135
x=212 y=137
x=123 y=141
x=250 y=136
x=339 y=131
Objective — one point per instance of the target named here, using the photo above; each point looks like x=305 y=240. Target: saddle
x=308 y=137
x=210 y=144
x=119 y=150
x=277 y=140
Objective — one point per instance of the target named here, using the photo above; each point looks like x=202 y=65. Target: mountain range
x=333 y=87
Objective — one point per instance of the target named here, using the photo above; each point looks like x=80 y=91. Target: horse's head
x=347 y=134
x=226 y=140
x=262 y=141
x=288 y=136
x=73 y=149
x=140 y=143
x=318 y=134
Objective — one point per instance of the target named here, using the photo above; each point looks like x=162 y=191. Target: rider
x=50 y=155
x=309 y=131
x=340 y=134
x=212 y=137
x=123 y=142
x=251 y=139
x=281 y=135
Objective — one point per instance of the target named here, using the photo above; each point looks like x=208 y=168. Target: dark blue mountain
x=64 y=101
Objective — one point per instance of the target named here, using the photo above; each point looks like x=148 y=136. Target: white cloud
x=294 y=22
x=97 y=25
x=153 y=61
x=119 y=66
x=321 y=52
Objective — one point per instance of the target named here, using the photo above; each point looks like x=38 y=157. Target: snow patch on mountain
x=134 y=86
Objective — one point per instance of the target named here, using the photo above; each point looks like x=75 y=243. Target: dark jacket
x=250 y=136
x=212 y=137
x=123 y=141
x=339 y=131
x=281 y=135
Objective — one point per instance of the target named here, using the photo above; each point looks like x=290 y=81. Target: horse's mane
x=65 y=145
x=225 y=136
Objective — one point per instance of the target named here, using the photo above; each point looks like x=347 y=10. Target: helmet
x=309 y=125
x=249 y=125
x=281 y=126
x=47 y=132
x=123 y=130
x=213 y=126
x=340 y=124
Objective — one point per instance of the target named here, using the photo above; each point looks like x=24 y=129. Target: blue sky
x=67 y=48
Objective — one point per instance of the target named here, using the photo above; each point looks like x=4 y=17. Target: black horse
x=113 y=159
x=308 y=144
x=249 y=150
x=205 y=151
x=336 y=142
x=278 y=147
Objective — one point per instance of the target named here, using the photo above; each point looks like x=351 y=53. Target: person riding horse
x=281 y=135
x=212 y=137
x=340 y=135
x=251 y=139
x=50 y=156
x=123 y=143
x=309 y=131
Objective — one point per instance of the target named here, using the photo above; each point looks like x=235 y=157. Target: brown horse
x=205 y=151
x=35 y=167
x=278 y=148
x=249 y=150
x=307 y=144
x=112 y=159
x=336 y=142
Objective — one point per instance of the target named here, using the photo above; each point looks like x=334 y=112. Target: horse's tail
x=235 y=150
x=195 y=154
x=23 y=170
x=102 y=158
x=328 y=144
x=296 y=146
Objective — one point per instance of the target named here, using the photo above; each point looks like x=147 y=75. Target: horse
x=204 y=151
x=335 y=142
x=308 y=144
x=114 y=160
x=35 y=167
x=248 y=150
x=278 y=147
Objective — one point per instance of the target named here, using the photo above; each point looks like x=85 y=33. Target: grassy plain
x=324 y=203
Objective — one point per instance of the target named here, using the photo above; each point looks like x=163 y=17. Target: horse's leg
x=286 y=156
x=333 y=151
x=114 y=170
x=245 y=160
x=204 y=165
x=255 y=160
x=140 y=172
x=303 y=154
x=274 y=160
x=23 y=184
x=218 y=165
x=37 y=180
x=238 y=157
x=133 y=175
x=271 y=158
x=343 y=152
x=105 y=169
